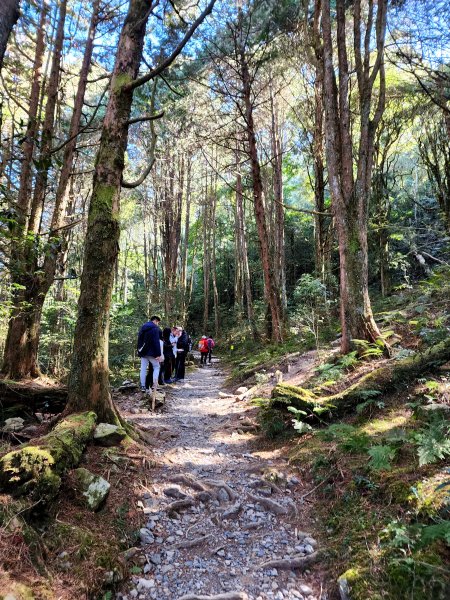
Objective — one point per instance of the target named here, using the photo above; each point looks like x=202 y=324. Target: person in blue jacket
x=149 y=350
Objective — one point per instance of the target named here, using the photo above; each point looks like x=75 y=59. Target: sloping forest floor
x=233 y=495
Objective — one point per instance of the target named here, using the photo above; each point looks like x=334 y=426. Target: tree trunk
x=9 y=14
x=272 y=297
x=243 y=252
x=20 y=360
x=206 y=255
x=350 y=195
x=279 y=237
x=45 y=157
x=89 y=376
x=213 y=262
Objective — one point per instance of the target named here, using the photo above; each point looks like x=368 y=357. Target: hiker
x=203 y=347
x=149 y=350
x=211 y=343
x=173 y=340
x=149 y=377
x=182 y=350
x=168 y=354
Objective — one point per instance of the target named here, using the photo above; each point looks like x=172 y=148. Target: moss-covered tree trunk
x=89 y=376
x=35 y=470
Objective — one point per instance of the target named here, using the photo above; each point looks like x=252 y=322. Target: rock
x=305 y=589
x=174 y=492
x=225 y=395
x=222 y=495
x=344 y=588
x=106 y=434
x=311 y=541
x=241 y=390
x=130 y=553
x=145 y=584
x=94 y=488
x=13 y=424
x=146 y=536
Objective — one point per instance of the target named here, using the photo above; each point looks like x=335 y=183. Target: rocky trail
x=220 y=521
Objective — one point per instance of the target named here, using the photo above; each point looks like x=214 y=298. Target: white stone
x=13 y=424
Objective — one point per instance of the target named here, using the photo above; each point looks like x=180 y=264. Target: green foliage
x=416 y=536
x=310 y=306
x=370 y=401
x=368 y=350
x=349 y=438
x=300 y=426
x=331 y=372
x=433 y=442
x=381 y=457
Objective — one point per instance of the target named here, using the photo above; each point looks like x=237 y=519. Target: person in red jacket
x=203 y=347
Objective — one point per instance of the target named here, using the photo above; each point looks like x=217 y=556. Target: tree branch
x=169 y=60
x=143 y=118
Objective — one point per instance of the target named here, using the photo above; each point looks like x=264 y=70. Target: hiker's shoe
x=168 y=381
x=143 y=389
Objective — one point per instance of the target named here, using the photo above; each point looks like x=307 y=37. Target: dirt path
x=217 y=511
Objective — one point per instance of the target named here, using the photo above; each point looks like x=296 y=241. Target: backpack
x=211 y=343
x=203 y=346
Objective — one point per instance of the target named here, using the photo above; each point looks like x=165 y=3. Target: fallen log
x=384 y=379
x=36 y=469
x=26 y=399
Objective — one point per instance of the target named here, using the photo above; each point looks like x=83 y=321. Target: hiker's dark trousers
x=203 y=357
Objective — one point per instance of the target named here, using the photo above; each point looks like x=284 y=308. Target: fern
x=439 y=531
x=301 y=427
x=381 y=457
x=349 y=438
x=433 y=442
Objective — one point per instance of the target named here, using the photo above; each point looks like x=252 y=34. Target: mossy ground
x=358 y=507
x=374 y=518
x=70 y=550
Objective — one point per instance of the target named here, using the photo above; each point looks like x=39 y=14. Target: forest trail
x=217 y=510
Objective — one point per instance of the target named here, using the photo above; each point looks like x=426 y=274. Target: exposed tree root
x=192 y=543
x=179 y=505
x=227 y=596
x=298 y=563
x=271 y=505
x=188 y=482
x=221 y=484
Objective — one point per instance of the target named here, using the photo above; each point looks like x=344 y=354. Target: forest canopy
x=241 y=149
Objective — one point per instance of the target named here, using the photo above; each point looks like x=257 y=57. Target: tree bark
x=9 y=14
x=89 y=376
x=21 y=347
x=350 y=195
x=45 y=159
x=279 y=237
x=272 y=296
x=19 y=359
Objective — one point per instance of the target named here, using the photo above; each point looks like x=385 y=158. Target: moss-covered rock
x=17 y=591
x=94 y=489
x=106 y=434
x=431 y=497
x=36 y=469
